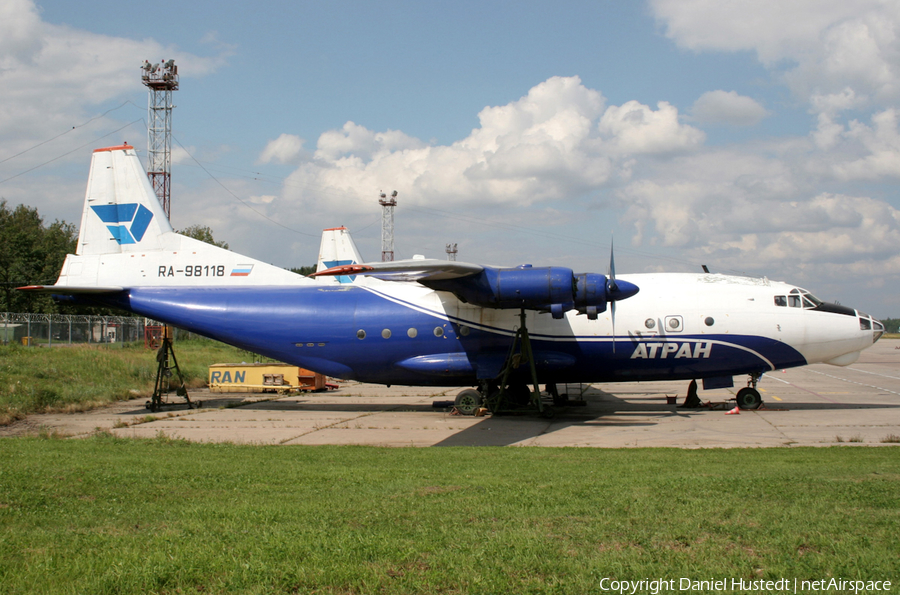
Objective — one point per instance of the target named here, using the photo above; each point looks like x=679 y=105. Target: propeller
x=612 y=288
x=616 y=290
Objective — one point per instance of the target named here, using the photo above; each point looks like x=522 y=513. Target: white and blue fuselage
x=680 y=326
x=442 y=325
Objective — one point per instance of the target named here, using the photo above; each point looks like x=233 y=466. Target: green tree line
x=31 y=253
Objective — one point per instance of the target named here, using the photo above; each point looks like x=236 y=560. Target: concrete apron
x=817 y=405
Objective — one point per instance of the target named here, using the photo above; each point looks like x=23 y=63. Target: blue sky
x=755 y=137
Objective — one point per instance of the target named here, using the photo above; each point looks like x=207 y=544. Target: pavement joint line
x=194 y=411
x=765 y=418
x=812 y=392
x=442 y=393
x=854 y=382
x=875 y=373
x=341 y=421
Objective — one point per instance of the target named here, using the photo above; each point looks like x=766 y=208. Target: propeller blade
x=616 y=290
x=612 y=311
x=613 y=286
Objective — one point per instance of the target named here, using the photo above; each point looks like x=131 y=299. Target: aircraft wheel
x=518 y=394
x=467 y=401
x=748 y=398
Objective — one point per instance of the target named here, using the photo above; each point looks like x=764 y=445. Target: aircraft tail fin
x=121 y=212
x=337 y=249
x=126 y=239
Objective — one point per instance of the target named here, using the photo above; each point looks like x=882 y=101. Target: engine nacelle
x=545 y=289
x=549 y=289
x=590 y=294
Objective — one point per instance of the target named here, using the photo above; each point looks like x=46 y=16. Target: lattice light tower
x=161 y=80
x=387 y=226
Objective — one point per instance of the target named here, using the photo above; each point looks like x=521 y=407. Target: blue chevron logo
x=336 y=263
x=135 y=217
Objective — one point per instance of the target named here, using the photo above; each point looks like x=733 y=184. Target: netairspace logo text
x=783 y=585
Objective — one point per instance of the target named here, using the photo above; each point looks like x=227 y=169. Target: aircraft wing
x=545 y=289
x=414 y=269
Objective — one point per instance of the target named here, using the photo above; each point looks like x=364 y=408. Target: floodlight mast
x=161 y=80
x=387 y=226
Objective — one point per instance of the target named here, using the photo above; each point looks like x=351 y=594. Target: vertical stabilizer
x=127 y=241
x=337 y=249
x=121 y=211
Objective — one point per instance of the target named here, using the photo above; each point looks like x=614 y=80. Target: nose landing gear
x=748 y=397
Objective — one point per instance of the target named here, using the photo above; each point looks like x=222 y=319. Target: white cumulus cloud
x=54 y=76
x=727 y=107
x=820 y=46
x=557 y=142
x=284 y=149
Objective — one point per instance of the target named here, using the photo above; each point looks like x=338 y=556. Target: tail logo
x=136 y=218
x=337 y=263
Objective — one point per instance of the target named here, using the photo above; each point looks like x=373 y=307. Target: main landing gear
x=748 y=397
x=467 y=401
x=503 y=395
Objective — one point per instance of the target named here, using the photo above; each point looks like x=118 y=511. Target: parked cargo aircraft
x=442 y=323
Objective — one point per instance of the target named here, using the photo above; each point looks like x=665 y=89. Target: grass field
x=80 y=377
x=108 y=515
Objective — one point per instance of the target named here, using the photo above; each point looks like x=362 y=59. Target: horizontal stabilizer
x=126 y=241
x=69 y=290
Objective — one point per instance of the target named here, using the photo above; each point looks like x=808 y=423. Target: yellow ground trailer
x=260 y=378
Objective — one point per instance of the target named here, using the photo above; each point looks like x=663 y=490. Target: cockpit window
x=800 y=298
x=865 y=324
x=781 y=300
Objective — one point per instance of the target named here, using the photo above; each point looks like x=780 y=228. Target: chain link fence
x=66 y=329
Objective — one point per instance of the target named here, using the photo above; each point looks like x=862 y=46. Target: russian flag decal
x=241 y=270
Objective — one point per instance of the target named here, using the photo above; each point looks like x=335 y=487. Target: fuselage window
x=781 y=300
x=794 y=301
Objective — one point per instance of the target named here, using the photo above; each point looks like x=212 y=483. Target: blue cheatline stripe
x=571 y=338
